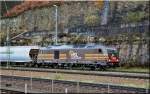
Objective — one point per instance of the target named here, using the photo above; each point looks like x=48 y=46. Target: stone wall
x=135 y=53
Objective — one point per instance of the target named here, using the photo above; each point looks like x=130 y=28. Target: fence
x=36 y=85
x=109 y=30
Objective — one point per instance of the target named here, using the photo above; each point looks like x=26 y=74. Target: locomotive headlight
x=117 y=60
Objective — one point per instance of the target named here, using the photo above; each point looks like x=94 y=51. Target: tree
x=99 y=3
x=92 y=20
x=134 y=16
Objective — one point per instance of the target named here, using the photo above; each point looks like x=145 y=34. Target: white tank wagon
x=17 y=53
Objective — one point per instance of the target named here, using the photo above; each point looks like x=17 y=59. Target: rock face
x=44 y=18
x=137 y=54
x=72 y=14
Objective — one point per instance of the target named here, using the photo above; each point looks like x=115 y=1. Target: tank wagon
x=60 y=56
x=20 y=54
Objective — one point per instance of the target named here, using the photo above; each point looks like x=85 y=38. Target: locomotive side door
x=33 y=54
x=56 y=54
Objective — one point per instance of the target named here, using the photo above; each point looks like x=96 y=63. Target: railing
x=106 y=30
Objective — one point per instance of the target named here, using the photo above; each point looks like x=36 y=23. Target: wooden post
x=66 y=90
x=78 y=88
x=108 y=88
x=31 y=80
x=12 y=77
x=25 y=88
x=52 y=85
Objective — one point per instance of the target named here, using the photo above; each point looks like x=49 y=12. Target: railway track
x=78 y=69
x=59 y=86
x=97 y=73
x=5 y=91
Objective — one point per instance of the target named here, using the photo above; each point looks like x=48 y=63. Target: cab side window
x=100 y=51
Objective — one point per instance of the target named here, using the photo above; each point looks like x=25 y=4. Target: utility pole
x=7 y=39
x=56 y=24
x=8 y=46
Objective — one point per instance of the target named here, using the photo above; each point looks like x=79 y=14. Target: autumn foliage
x=99 y=3
x=28 y=5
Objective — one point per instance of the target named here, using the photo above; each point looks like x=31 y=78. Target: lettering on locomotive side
x=74 y=55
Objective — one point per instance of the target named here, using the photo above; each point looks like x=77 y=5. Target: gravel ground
x=133 y=82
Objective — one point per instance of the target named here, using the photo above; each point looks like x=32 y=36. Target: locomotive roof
x=111 y=48
x=84 y=46
x=22 y=47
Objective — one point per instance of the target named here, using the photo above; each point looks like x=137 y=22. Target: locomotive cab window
x=100 y=51
x=33 y=53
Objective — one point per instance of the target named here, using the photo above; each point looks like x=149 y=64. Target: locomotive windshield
x=113 y=53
